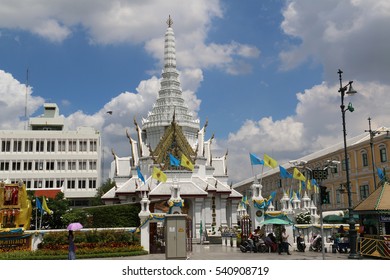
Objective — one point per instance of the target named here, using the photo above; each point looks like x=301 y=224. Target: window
x=28 y=145
x=50 y=165
x=28 y=184
x=71 y=165
x=4 y=166
x=39 y=145
x=27 y=165
x=59 y=183
x=39 y=165
x=364 y=192
x=92 y=184
x=82 y=165
x=37 y=184
x=60 y=165
x=343 y=164
x=16 y=165
x=17 y=146
x=83 y=145
x=92 y=165
x=82 y=184
x=71 y=184
x=49 y=184
x=72 y=146
x=51 y=145
x=382 y=153
x=6 y=146
x=92 y=146
x=364 y=158
x=61 y=145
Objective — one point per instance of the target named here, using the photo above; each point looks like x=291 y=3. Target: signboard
x=320 y=174
x=384 y=219
x=15 y=242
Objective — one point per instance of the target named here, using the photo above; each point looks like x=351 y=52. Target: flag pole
x=36 y=214
x=261 y=177
x=253 y=174
x=40 y=220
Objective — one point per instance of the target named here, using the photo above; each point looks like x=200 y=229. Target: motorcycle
x=316 y=244
x=259 y=246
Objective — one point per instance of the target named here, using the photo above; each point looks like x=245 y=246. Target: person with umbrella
x=72 y=247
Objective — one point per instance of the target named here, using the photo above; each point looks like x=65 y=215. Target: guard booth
x=175 y=236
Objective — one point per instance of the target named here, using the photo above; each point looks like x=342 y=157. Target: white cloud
x=317 y=124
x=135 y=22
x=346 y=34
x=13 y=102
x=51 y=30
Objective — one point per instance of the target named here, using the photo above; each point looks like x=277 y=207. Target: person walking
x=72 y=247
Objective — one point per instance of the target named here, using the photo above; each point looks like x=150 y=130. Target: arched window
x=383 y=153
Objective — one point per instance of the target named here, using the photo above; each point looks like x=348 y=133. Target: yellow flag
x=185 y=162
x=309 y=185
x=159 y=175
x=44 y=206
x=270 y=161
x=298 y=175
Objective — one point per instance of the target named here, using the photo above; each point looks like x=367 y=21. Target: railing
x=375 y=246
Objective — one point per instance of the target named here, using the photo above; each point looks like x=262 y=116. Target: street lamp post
x=372 y=134
x=347 y=89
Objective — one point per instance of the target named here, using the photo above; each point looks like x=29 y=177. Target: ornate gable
x=174 y=142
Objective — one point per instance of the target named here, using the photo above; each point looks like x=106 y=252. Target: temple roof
x=174 y=142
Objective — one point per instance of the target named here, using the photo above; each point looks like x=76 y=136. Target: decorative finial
x=169 y=21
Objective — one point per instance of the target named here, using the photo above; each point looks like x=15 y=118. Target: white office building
x=50 y=158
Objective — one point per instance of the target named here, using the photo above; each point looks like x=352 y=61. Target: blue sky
x=263 y=73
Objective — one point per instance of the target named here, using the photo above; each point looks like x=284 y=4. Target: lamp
x=351 y=221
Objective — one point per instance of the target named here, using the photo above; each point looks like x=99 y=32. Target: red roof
x=47 y=193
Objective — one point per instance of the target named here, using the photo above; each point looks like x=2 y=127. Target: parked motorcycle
x=259 y=246
x=316 y=244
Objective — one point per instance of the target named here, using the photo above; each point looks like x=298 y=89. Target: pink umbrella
x=74 y=226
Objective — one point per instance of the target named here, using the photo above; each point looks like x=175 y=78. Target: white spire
x=170 y=101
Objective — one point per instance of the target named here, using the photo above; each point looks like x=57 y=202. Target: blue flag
x=174 y=161
x=284 y=173
x=381 y=175
x=140 y=175
x=255 y=160
x=303 y=185
x=38 y=204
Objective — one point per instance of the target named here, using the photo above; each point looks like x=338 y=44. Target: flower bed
x=89 y=244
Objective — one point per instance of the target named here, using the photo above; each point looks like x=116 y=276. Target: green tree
x=59 y=205
x=105 y=187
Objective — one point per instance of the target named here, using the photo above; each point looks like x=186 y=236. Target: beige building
x=360 y=164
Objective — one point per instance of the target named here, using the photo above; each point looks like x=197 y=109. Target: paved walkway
x=219 y=252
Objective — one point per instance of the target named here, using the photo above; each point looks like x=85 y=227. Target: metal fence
x=375 y=246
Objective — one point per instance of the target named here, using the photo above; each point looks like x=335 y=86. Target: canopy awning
x=276 y=221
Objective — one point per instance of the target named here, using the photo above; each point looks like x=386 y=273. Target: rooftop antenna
x=25 y=102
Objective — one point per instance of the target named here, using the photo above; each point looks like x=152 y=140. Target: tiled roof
x=51 y=193
x=379 y=200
